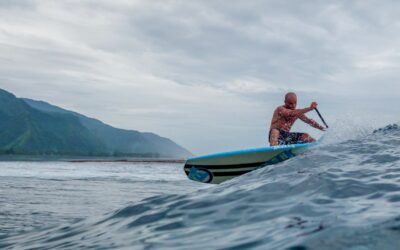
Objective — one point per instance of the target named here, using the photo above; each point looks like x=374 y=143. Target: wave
x=339 y=195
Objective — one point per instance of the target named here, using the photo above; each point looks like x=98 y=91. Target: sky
x=206 y=73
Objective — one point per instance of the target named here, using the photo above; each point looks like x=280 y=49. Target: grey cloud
x=221 y=50
x=296 y=44
x=20 y=4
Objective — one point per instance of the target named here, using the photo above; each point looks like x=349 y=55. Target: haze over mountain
x=30 y=127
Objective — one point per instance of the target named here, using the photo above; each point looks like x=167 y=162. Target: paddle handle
x=322 y=119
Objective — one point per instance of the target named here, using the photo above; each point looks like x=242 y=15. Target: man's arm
x=282 y=111
x=311 y=122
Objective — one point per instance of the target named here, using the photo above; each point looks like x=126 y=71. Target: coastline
x=83 y=159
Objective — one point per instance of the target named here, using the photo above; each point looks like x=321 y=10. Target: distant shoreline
x=132 y=160
x=81 y=159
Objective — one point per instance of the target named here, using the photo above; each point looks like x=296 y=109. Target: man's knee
x=307 y=137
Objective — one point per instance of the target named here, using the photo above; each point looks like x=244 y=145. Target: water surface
x=341 y=195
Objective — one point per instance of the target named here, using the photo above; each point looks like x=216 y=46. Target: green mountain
x=29 y=127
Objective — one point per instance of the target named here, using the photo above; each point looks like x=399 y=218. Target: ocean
x=343 y=194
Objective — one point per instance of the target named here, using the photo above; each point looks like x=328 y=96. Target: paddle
x=322 y=119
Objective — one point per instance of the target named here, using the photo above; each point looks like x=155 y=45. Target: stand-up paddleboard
x=216 y=168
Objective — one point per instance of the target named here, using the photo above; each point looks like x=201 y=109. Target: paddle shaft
x=322 y=119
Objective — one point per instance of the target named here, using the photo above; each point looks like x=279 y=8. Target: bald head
x=291 y=100
x=290 y=95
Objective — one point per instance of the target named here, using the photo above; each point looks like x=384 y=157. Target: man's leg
x=274 y=137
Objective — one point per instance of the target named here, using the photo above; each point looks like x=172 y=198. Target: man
x=283 y=119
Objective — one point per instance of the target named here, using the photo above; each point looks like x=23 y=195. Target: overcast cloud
x=206 y=74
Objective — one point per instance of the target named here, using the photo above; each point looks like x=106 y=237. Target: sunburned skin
x=286 y=115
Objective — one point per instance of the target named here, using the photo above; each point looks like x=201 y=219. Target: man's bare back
x=283 y=119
